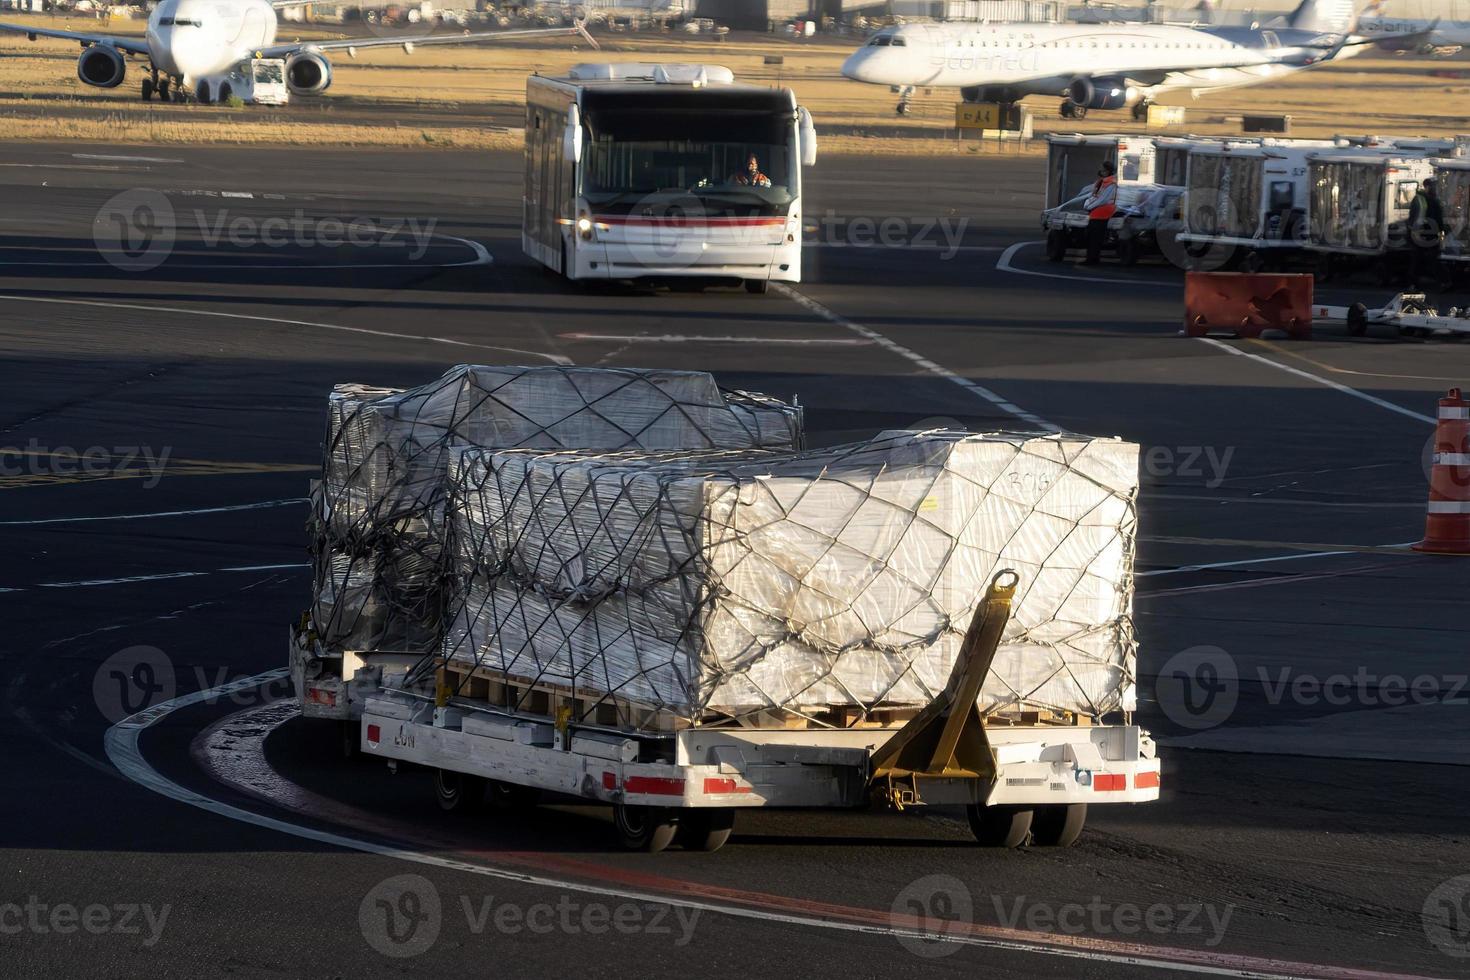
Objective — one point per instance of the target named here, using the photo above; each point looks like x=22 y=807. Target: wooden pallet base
x=552 y=700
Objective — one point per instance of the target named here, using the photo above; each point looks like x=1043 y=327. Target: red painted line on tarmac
x=231 y=752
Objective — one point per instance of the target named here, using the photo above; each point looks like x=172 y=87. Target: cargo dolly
x=1018 y=783
x=1409 y=314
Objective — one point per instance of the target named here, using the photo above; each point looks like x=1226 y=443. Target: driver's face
x=752 y=164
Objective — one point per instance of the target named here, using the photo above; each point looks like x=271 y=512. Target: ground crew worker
x=1101 y=206
x=1426 y=232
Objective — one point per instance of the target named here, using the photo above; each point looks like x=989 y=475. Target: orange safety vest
x=1104 y=211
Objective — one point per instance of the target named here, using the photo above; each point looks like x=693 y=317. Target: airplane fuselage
x=1032 y=59
x=195 y=38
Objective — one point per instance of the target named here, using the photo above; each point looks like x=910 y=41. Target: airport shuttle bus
x=645 y=171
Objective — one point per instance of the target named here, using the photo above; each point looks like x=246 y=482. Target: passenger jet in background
x=1099 y=66
x=189 y=40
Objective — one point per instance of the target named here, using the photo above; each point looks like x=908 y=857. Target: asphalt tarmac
x=163 y=415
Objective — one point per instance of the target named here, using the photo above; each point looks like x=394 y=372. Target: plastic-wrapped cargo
x=721 y=586
x=379 y=513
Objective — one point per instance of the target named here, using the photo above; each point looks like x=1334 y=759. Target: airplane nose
x=856 y=66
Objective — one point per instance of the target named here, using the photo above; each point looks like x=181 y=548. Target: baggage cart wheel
x=1128 y=251
x=1058 y=824
x=349 y=734
x=457 y=792
x=757 y=286
x=645 y=828
x=1056 y=245
x=999 y=826
x=705 y=828
x=511 y=796
x=1357 y=320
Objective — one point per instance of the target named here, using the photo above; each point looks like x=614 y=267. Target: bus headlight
x=584 y=227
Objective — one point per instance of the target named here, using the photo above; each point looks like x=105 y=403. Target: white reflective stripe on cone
x=1454 y=413
x=1449 y=507
x=1452 y=459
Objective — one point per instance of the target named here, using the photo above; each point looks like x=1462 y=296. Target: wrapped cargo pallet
x=378 y=515
x=798 y=586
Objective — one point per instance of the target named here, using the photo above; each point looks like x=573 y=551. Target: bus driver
x=752 y=176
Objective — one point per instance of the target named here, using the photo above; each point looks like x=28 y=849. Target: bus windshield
x=732 y=163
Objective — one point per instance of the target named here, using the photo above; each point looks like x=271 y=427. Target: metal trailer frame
x=1408 y=313
x=945 y=756
x=1133 y=156
x=1284 y=163
x=1455 y=171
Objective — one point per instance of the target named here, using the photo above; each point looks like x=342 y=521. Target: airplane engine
x=101 y=66
x=1098 y=93
x=308 y=73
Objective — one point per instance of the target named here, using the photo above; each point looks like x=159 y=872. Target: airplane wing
x=409 y=42
x=133 y=45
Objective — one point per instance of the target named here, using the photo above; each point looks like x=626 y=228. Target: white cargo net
x=378 y=515
x=721 y=586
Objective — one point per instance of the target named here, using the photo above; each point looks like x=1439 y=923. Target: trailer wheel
x=349 y=734
x=999 y=826
x=1128 y=251
x=757 y=286
x=511 y=796
x=705 y=828
x=457 y=792
x=1058 y=825
x=1056 y=245
x=645 y=828
x=1357 y=320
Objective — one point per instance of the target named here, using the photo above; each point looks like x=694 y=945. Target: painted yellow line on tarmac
x=1337 y=370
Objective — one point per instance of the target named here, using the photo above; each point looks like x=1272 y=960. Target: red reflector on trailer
x=373 y=732
x=714 y=784
x=654 y=785
x=319 y=696
x=1145 y=780
x=1108 y=781
x=609 y=781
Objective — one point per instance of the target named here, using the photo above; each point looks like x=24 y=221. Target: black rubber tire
x=999 y=826
x=1252 y=262
x=705 y=828
x=1357 y=320
x=509 y=797
x=645 y=828
x=201 y=93
x=163 y=90
x=349 y=738
x=1056 y=246
x=147 y=90
x=225 y=92
x=1058 y=824
x=458 y=793
x=1127 y=251
x=759 y=287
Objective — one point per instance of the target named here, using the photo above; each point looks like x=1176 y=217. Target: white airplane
x=1438 y=37
x=1099 y=66
x=188 y=40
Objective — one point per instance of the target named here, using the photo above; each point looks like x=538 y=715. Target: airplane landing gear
x=147 y=89
x=1071 y=110
x=904 y=94
x=1140 y=110
x=162 y=89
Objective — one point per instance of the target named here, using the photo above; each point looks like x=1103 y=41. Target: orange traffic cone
x=1447 y=526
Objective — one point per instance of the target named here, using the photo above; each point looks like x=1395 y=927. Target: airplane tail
x=1324 y=16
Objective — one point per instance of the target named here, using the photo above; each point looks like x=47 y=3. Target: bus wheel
x=458 y=793
x=757 y=286
x=705 y=828
x=999 y=826
x=645 y=828
x=1058 y=824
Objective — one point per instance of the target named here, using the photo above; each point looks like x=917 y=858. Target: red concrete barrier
x=1247 y=303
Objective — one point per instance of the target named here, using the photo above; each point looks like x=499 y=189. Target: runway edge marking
x=980 y=391
x=122 y=739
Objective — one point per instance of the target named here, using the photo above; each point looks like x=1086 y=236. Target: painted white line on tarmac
x=92 y=583
x=119 y=158
x=674 y=338
x=123 y=750
x=905 y=247
x=263 y=505
x=482 y=256
x=1003 y=264
x=1328 y=382
x=979 y=391
x=1259 y=561
x=98 y=304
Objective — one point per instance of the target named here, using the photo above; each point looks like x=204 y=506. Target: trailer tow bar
x=946 y=740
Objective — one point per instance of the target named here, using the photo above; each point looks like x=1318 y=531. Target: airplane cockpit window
x=165 y=22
